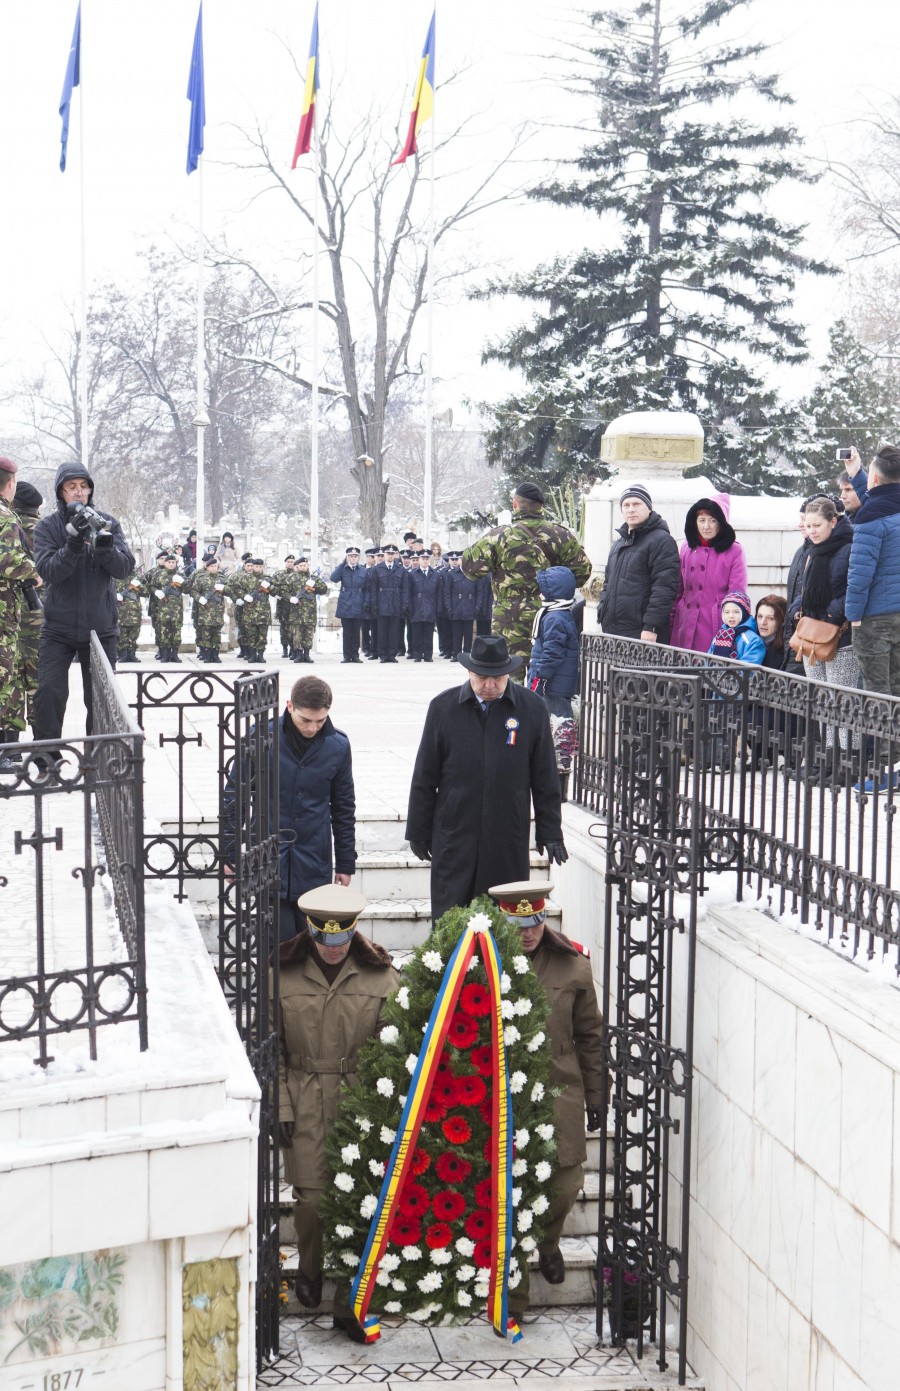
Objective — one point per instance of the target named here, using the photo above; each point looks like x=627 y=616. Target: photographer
x=16 y=569
x=80 y=553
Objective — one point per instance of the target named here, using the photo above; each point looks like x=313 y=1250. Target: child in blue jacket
x=738 y=637
x=553 y=669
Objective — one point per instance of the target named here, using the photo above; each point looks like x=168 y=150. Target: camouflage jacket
x=202 y=586
x=512 y=555
x=298 y=584
x=16 y=565
x=128 y=597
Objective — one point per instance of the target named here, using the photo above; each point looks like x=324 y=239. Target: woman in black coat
x=475 y=779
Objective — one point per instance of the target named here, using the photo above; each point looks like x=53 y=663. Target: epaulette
x=579 y=948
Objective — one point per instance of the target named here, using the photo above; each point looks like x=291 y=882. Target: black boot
x=284 y=650
x=307 y=655
x=173 y=655
x=296 y=654
x=11 y=759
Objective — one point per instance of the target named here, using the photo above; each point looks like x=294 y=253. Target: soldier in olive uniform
x=26 y=505
x=128 y=597
x=303 y=626
x=207 y=591
x=16 y=568
x=241 y=584
x=256 y=612
x=170 y=609
x=512 y=555
x=575 y=1030
x=154 y=579
x=283 y=589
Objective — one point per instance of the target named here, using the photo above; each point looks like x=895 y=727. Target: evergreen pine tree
x=683 y=300
x=852 y=404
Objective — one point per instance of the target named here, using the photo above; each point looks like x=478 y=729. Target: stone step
x=578 y=1288
x=397 y=874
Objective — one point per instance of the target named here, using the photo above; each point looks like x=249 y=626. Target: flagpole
x=429 y=372
x=84 y=373
x=201 y=420
x=314 y=419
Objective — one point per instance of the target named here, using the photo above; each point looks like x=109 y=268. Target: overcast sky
x=836 y=59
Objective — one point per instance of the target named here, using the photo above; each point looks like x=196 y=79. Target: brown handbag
x=815 y=640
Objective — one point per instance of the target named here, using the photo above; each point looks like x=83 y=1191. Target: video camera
x=89 y=526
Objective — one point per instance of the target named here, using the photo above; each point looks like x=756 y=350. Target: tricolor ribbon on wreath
x=398 y=1165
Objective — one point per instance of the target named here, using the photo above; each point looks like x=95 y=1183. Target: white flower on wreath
x=423 y=1315
x=349 y=1153
x=344 y=1182
x=432 y=961
x=505 y=984
x=464 y=1273
x=349 y=1258
x=542 y=1171
x=441 y=1256
x=402 y=1099
x=522 y=1006
x=389 y=1034
x=393 y=1306
x=413 y=1253
x=364 y=1124
x=479 y=922
x=388 y=1136
x=537 y=1091
x=521 y=1139
x=515 y=1277
x=524 y=1220
x=389 y=1261
x=527 y=1243
x=536 y=1042
x=403 y=997
x=464 y=1298
x=539 y=1205
x=430 y=1282
x=411 y=1063
x=384 y=1086
x=519 y=1167
x=465 y=1247
x=382 y=1278
x=399 y=1286
x=473 y=964
x=376 y=1167
x=545 y=1132
x=343 y=1232
x=511 y=1035
x=520 y=965
x=368 y=1205
x=517 y=1082
x=507 y=1009
x=516 y=1196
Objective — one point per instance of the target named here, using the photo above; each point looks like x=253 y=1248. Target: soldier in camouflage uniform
x=16 y=568
x=26 y=505
x=305 y=613
x=128 y=597
x=237 y=587
x=207 y=590
x=282 y=587
x=512 y=555
x=152 y=580
x=254 y=611
x=169 y=607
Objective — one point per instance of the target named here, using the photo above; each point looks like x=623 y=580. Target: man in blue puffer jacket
x=872 y=603
x=553 y=669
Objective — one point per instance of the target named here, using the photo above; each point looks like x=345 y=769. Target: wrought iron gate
x=656 y=721
x=232 y=843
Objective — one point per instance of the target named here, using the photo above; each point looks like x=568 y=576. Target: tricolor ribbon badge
x=512 y=725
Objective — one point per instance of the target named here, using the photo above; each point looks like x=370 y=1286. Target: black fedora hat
x=490 y=657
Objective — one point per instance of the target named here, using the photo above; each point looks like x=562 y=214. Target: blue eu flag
x=196 y=98
x=71 y=80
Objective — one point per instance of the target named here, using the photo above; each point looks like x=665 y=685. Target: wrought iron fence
x=799 y=787
x=72 y=809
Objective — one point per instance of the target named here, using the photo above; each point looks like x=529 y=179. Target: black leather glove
x=421 y=849
x=75 y=543
x=557 y=853
x=286 y=1134
x=593 y=1118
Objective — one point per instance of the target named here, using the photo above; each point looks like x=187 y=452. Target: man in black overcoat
x=485 y=756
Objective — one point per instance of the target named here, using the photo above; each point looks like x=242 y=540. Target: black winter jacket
x=642 y=574
x=80 y=591
x=385 y=592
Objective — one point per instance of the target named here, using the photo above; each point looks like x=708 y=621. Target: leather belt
x=303 y=1064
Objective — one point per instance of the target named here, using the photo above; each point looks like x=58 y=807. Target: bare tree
x=870 y=183
x=363 y=197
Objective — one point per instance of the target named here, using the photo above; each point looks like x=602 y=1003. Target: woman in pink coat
x=712 y=564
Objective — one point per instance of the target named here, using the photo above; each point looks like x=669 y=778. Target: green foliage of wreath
x=435 y=1264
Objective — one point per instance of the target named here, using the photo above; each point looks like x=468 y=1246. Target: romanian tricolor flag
x=304 y=134
x=423 y=101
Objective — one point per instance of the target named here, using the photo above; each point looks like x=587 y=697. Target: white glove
x=248 y=599
x=218 y=588
x=204 y=601
x=237 y=603
x=120 y=598
x=294 y=599
x=160 y=593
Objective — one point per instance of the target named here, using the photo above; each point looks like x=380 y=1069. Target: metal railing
x=799 y=787
x=72 y=809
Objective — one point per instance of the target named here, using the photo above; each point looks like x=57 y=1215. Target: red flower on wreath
x=421 y=1160
x=438 y=1234
x=481 y=1060
x=444 y=1064
x=486 y=1110
x=482 y=1255
x=475 y=999
x=445 y=1091
x=406 y=1231
x=457 y=1130
x=452 y=1168
x=435 y=1110
x=414 y=1200
x=483 y=1192
x=463 y=1030
x=470 y=1090
x=448 y=1205
x=478 y=1225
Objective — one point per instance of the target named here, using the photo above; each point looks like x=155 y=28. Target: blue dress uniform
x=350 y=605
x=369 y=625
x=424 y=588
x=460 y=599
x=386 y=599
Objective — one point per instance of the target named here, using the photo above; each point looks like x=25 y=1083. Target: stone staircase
x=398 y=916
